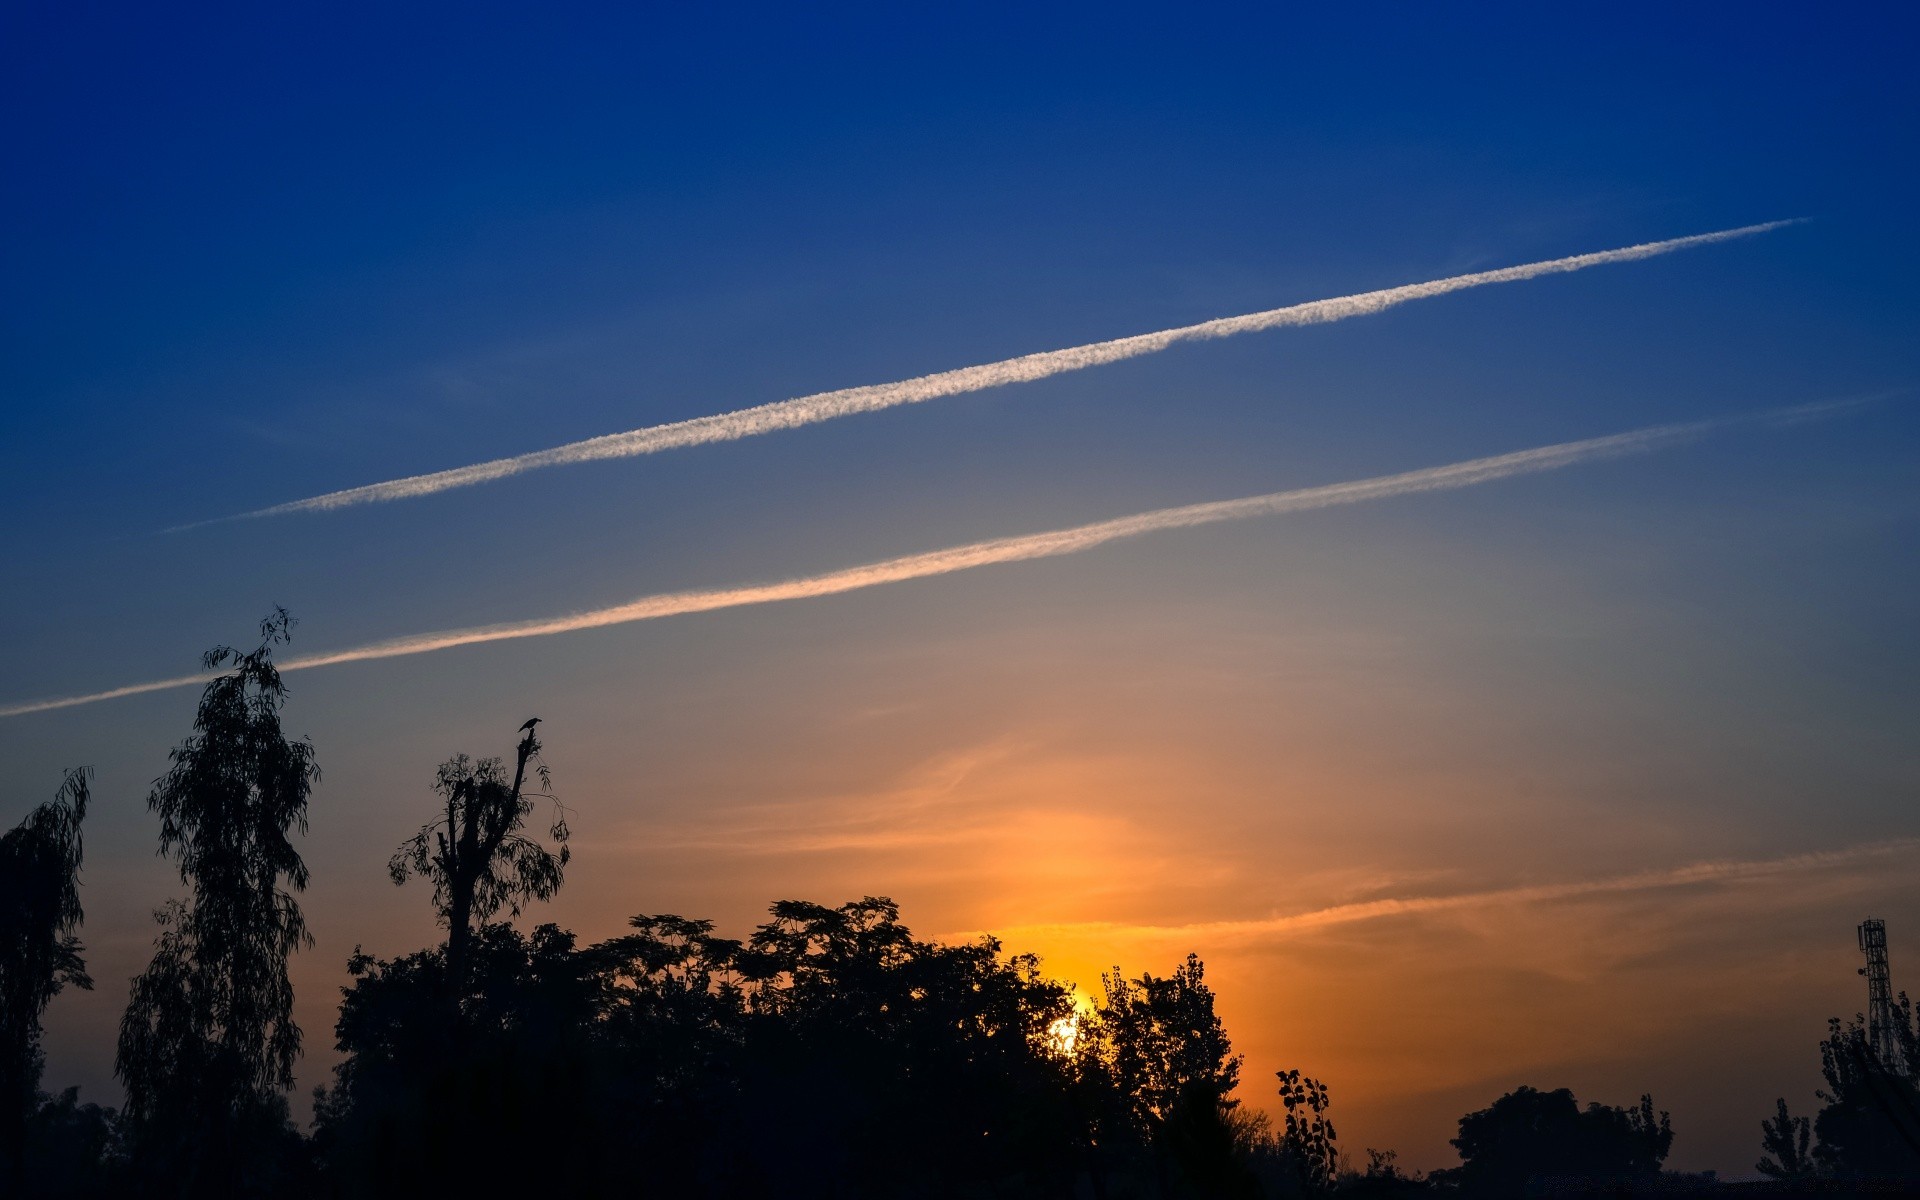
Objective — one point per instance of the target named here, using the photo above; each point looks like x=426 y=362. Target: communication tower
x=1873 y=943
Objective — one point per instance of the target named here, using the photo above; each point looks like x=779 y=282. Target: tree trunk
x=459 y=937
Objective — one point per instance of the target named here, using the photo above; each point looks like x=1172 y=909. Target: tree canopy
x=39 y=950
x=1528 y=1136
x=208 y=1041
x=473 y=851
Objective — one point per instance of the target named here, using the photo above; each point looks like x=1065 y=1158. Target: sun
x=1064 y=1034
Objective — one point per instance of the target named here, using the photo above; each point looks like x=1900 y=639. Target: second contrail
x=999 y=550
x=824 y=406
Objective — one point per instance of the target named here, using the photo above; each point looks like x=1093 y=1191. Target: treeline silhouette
x=828 y=1054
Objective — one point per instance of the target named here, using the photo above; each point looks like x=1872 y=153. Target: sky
x=1579 y=777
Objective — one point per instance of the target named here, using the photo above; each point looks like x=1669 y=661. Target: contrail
x=825 y=406
x=1003 y=550
x=1720 y=871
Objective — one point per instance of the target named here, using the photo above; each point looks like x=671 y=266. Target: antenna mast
x=1873 y=943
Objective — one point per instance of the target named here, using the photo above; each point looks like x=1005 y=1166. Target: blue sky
x=256 y=256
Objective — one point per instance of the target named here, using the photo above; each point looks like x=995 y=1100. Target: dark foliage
x=1161 y=1072
x=474 y=853
x=1308 y=1143
x=39 y=951
x=208 y=1043
x=1784 y=1141
x=75 y=1150
x=507 y=1107
x=1870 y=1125
x=1529 y=1139
x=831 y=1037
x=1161 y=1046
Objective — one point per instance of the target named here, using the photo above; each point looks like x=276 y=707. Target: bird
x=531 y=722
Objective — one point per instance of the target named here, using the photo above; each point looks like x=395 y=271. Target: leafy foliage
x=75 y=1150
x=418 y=1109
x=474 y=853
x=1308 y=1143
x=1162 y=1047
x=39 y=951
x=208 y=1039
x=1784 y=1139
x=1160 y=1072
x=1529 y=1135
x=1870 y=1125
x=830 y=1037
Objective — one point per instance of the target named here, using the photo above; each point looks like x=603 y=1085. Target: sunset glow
x=1419 y=509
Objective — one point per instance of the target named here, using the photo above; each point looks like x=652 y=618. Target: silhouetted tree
x=672 y=1007
x=1870 y=1126
x=1167 y=1069
x=675 y=1062
x=1163 y=1044
x=1382 y=1178
x=1528 y=1135
x=518 y=1111
x=39 y=952
x=879 y=1057
x=208 y=1042
x=474 y=853
x=490 y=1031
x=1784 y=1142
x=75 y=1151
x=1308 y=1142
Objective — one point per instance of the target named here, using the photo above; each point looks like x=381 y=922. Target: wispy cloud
x=1717 y=872
x=825 y=406
x=1002 y=550
x=912 y=811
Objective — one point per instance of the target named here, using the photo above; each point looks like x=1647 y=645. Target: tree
x=1529 y=1134
x=832 y=1056
x=1784 y=1139
x=474 y=853
x=487 y=1032
x=208 y=1041
x=74 y=1150
x=1162 y=1072
x=515 y=1112
x=878 y=1057
x=39 y=952
x=1870 y=1127
x=1163 y=1045
x=1308 y=1142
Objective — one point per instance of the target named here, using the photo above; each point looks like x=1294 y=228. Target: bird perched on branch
x=531 y=722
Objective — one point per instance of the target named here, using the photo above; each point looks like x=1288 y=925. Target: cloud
x=825 y=406
x=915 y=811
x=1715 y=872
x=1050 y=544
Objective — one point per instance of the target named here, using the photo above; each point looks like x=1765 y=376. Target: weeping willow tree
x=39 y=952
x=208 y=1041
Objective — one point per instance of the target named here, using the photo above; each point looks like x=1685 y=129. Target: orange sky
x=1611 y=897
x=1568 y=740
